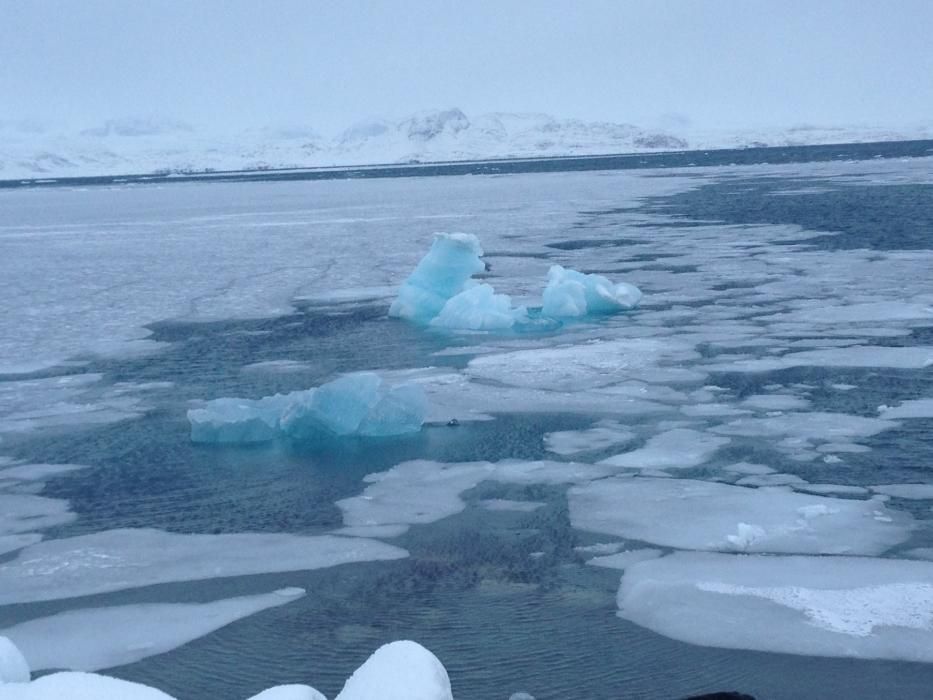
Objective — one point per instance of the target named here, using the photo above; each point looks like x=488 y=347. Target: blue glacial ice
x=358 y=404
x=441 y=292
x=441 y=275
x=570 y=293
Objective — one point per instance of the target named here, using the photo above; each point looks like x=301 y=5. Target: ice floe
x=822 y=606
x=917 y=492
x=603 y=435
x=679 y=448
x=622 y=560
x=915 y=408
x=690 y=514
x=13 y=665
x=400 y=670
x=355 y=404
x=133 y=632
x=118 y=559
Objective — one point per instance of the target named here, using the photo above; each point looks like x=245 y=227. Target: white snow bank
x=118 y=559
x=129 y=633
x=75 y=685
x=691 y=514
x=401 y=670
x=355 y=404
x=822 y=606
x=293 y=691
x=13 y=665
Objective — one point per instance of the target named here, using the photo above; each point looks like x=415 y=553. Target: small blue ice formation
x=359 y=404
x=442 y=293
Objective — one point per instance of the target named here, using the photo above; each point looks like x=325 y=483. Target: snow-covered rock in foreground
x=75 y=685
x=571 y=293
x=355 y=404
x=293 y=691
x=818 y=606
x=401 y=670
x=13 y=665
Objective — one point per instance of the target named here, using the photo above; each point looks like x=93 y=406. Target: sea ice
x=823 y=606
x=602 y=435
x=622 y=560
x=917 y=492
x=118 y=559
x=690 y=514
x=401 y=670
x=916 y=408
x=20 y=513
x=570 y=293
x=355 y=404
x=133 y=632
x=679 y=448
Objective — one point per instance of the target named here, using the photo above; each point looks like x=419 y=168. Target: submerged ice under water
x=728 y=446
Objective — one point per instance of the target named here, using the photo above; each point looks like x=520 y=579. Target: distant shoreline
x=758 y=155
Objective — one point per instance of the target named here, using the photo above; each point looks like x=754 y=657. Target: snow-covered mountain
x=148 y=145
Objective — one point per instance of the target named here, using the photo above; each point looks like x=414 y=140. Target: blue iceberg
x=441 y=292
x=358 y=404
x=570 y=293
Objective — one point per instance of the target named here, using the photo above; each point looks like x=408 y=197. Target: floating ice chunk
x=820 y=426
x=916 y=357
x=917 y=492
x=775 y=402
x=26 y=513
x=401 y=670
x=822 y=606
x=600 y=548
x=13 y=665
x=623 y=560
x=10 y=543
x=75 y=685
x=831 y=488
x=355 y=404
x=747 y=468
x=232 y=421
x=583 y=366
x=916 y=408
x=133 y=632
x=413 y=493
x=421 y=491
x=679 y=448
x=479 y=309
x=37 y=472
x=601 y=436
x=501 y=504
x=570 y=293
x=691 y=514
x=118 y=559
x=441 y=275
x=289 y=692
x=771 y=480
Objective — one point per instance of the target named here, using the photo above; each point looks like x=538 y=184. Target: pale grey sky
x=232 y=64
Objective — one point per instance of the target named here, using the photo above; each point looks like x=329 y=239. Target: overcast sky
x=231 y=63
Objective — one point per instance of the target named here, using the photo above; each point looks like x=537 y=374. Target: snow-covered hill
x=135 y=146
